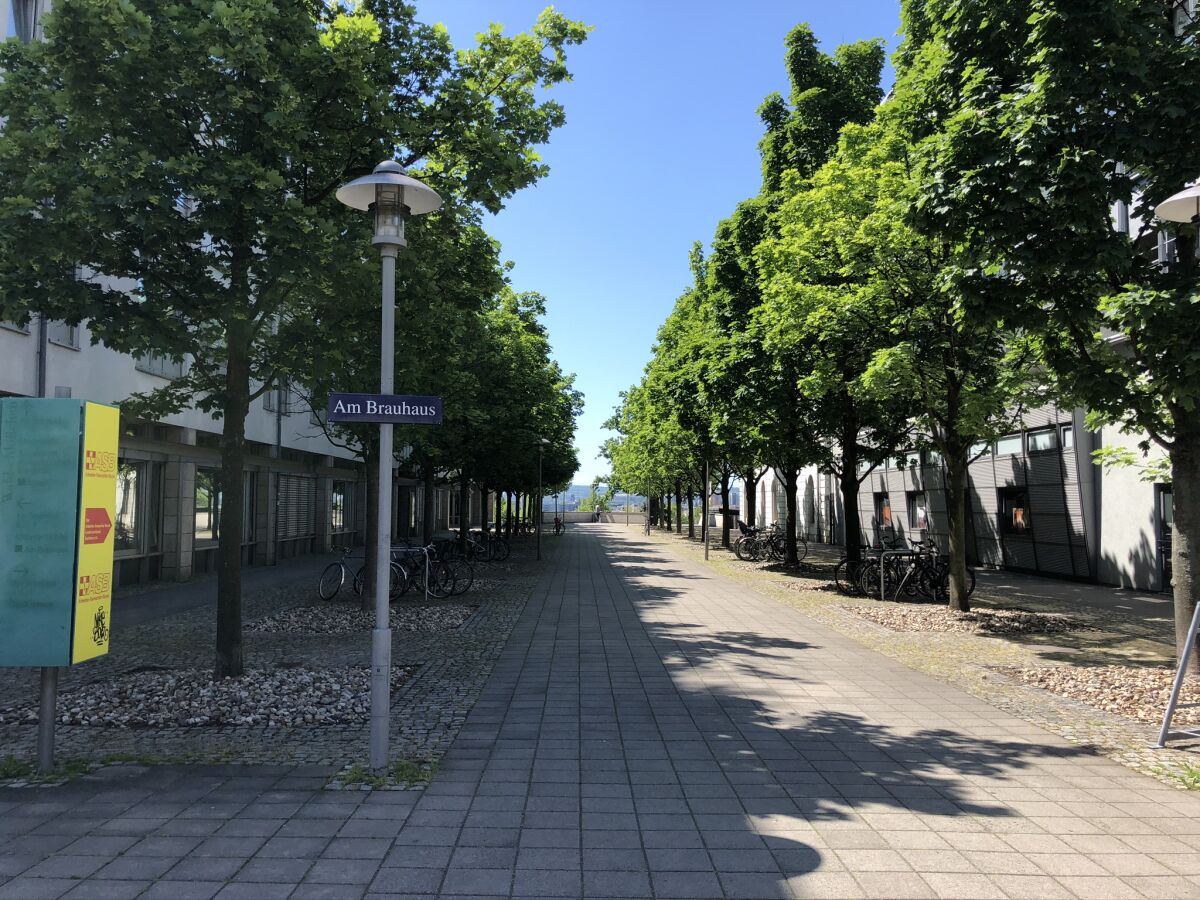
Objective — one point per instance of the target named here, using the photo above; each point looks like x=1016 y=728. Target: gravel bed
x=189 y=698
x=1134 y=692
x=980 y=621
x=348 y=618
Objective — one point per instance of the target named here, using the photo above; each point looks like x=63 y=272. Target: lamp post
x=392 y=197
x=542 y=444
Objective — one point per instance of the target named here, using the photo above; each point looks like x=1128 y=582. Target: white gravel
x=345 y=618
x=189 y=698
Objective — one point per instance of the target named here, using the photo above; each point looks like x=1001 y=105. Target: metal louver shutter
x=297 y=505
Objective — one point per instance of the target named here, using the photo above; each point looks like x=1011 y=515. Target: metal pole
x=381 y=636
x=1185 y=659
x=707 y=485
x=47 y=715
x=541 y=453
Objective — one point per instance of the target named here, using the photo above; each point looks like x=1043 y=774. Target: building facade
x=1036 y=503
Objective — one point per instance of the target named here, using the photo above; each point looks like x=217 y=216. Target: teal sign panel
x=39 y=513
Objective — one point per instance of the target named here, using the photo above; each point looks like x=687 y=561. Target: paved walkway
x=651 y=730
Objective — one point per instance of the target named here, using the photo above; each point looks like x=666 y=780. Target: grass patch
x=402 y=772
x=1187 y=775
x=11 y=767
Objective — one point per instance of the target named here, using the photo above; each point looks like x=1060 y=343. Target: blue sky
x=660 y=144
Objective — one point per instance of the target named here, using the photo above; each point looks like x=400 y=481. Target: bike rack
x=883 y=558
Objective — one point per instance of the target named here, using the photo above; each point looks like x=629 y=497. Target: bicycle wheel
x=740 y=549
x=801 y=548
x=844 y=576
x=331 y=581
x=399 y=582
x=501 y=550
x=868 y=578
x=439 y=580
x=462 y=576
x=359 y=579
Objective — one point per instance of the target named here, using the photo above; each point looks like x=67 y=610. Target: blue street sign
x=399 y=409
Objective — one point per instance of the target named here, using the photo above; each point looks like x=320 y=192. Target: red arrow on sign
x=96 y=525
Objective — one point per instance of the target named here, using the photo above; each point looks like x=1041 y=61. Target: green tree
x=183 y=158
x=1036 y=121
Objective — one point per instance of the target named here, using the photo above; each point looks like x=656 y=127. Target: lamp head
x=392 y=196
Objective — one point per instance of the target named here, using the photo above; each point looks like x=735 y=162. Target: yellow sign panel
x=97 y=512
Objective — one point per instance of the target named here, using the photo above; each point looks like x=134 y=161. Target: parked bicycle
x=756 y=544
x=337 y=574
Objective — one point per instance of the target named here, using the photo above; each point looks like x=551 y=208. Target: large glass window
x=341 y=506
x=138 y=510
x=129 y=516
x=157 y=364
x=918 y=510
x=1014 y=511
x=1068 y=437
x=63 y=334
x=1009 y=444
x=983 y=448
x=208 y=504
x=910 y=459
x=1041 y=441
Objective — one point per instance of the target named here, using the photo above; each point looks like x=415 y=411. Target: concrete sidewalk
x=651 y=730
x=161 y=599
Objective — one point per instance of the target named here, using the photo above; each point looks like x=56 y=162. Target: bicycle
x=334 y=577
x=929 y=575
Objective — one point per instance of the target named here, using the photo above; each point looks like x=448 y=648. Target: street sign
x=395 y=409
x=58 y=477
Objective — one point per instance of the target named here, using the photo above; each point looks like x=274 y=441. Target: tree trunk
x=229 y=658
x=848 y=482
x=956 y=510
x=791 y=477
x=691 y=514
x=725 y=524
x=464 y=510
x=508 y=513
x=678 y=508
x=1185 y=537
x=371 y=460
x=499 y=523
x=750 y=484
x=427 y=507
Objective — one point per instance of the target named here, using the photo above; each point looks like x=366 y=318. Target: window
x=129 y=519
x=918 y=510
x=933 y=458
x=208 y=504
x=13 y=326
x=864 y=466
x=341 y=507
x=1042 y=441
x=138 y=510
x=160 y=365
x=909 y=459
x=63 y=335
x=454 y=518
x=883 y=510
x=1068 y=437
x=1014 y=511
x=1009 y=444
x=983 y=448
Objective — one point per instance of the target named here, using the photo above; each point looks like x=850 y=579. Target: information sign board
x=58 y=470
x=398 y=409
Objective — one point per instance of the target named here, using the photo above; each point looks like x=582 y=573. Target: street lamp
x=392 y=196
x=542 y=445
x=1182 y=207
